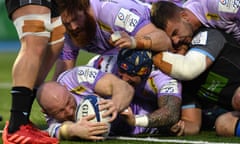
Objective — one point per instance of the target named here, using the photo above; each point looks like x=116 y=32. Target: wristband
x=63 y=132
x=134 y=44
x=141 y=120
x=143 y=42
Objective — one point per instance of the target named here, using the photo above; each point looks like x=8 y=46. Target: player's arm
x=182 y=67
x=62 y=65
x=148 y=37
x=205 y=48
x=121 y=91
x=67 y=58
x=168 y=112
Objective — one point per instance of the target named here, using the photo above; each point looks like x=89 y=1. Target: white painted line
x=149 y=139
x=5 y=85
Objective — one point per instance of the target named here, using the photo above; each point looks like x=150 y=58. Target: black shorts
x=217 y=85
x=12 y=5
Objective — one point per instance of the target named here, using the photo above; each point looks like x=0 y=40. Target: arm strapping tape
x=141 y=120
x=186 y=67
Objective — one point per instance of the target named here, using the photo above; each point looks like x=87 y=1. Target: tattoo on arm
x=168 y=112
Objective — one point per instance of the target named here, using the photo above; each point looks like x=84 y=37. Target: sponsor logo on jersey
x=127 y=20
x=87 y=74
x=229 y=6
x=200 y=38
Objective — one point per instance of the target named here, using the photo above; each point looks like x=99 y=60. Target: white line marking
x=5 y=85
x=165 y=140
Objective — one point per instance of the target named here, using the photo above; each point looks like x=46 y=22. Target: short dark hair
x=163 y=11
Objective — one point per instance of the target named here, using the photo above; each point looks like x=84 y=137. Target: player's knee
x=225 y=124
x=58 y=30
x=32 y=24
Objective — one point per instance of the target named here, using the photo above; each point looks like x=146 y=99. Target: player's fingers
x=123 y=43
x=113 y=117
x=98 y=130
x=96 y=138
x=89 y=117
x=110 y=111
x=105 y=104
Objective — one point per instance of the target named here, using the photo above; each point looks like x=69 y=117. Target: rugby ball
x=88 y=106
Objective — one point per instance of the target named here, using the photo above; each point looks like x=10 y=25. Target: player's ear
x=184 y=15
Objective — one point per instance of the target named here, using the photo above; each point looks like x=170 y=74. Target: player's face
x=74 y=22
x=132 y=80
x=180 y=32
x=65 y=109
x=81 y=26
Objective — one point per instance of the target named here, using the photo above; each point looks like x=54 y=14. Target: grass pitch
x=6 y=62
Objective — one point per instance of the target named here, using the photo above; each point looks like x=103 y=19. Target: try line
x=150 y=139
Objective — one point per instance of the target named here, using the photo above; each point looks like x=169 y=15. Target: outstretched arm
x=167 y=114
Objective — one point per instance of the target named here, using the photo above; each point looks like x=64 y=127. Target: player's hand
x=85 y=129
x=121 y=39
x=109 y=107
x=129 y=116
x=178 y=128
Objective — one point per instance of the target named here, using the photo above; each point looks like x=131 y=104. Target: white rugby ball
x=89 y=106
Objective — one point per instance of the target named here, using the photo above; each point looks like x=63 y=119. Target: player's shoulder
x=157 y=75
x=205 y=35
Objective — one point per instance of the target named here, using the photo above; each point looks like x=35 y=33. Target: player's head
x=79 y=23
x=135 y=62
x=176 y=22
x=64 y=104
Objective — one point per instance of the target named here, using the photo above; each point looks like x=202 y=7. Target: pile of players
x=163 y=67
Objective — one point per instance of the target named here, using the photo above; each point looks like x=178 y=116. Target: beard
x=83 y=36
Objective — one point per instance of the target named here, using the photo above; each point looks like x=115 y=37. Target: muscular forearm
x=122 y=95
x=156 y=41
x=167 y=114
x=62 y=65
x=121 y=91
x=158 y=38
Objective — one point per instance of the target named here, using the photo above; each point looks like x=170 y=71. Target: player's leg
x=228 y=124
x=55 y=46
x=30 y=22
x=192 y=120
x=27 y=64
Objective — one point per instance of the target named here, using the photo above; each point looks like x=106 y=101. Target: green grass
x=6 y=62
